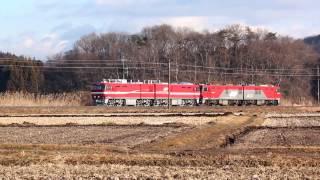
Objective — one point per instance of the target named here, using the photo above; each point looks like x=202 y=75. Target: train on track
x=121 y=92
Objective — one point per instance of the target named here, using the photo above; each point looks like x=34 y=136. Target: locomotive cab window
x=98 y=87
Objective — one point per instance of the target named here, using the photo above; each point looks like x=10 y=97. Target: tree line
x=313 y=41
x=233 y=55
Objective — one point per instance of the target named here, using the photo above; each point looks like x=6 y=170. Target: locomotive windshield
x=99 y=87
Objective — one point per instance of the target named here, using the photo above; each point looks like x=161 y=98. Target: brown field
x=280 y=137
x=92 y=120
x=253 y=143
x=155 y=172
x=295 y=121
x=120 y=136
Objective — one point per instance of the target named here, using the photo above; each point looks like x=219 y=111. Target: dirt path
x=210 y=136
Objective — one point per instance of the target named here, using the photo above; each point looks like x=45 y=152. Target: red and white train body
x=240 y=94
x=120 y=92
x=148 y=93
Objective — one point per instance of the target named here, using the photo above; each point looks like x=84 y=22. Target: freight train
x=121 y=92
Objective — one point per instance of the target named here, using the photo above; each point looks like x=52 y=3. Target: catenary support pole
x=318 y=74
x=195 y=71
x=169 y=82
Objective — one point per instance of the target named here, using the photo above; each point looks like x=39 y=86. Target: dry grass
x=116 y=166
x=288 y=102
x=30 y=99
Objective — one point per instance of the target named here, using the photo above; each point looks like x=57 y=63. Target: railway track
x=124 y=115
x=146 y=111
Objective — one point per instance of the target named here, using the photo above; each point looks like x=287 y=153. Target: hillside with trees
x=235 y=54
x=314 y=41
x=18 y=73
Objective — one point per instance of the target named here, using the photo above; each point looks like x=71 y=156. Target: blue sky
x=41 y=28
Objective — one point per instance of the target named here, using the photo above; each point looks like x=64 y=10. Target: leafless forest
x=235 y=54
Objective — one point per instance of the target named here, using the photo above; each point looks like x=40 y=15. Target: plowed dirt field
x=237 y=143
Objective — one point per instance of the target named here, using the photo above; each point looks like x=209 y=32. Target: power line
x=59 y=69
x=150 y=63
x=84 y=70
x=146 y=66
x=99 y=62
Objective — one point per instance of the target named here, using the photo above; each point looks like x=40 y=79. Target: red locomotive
x=240 y=95
x=120 y=92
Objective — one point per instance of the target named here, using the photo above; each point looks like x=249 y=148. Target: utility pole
x=169 y=81
x=122 y=68
x=252 y=74
x=195 y=71
x=122 y=60
x=318 y=74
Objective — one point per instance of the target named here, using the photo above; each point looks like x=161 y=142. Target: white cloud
x=295 y=30
x=43 y=47
x=124 y=2
x=51 y=44
x=28 y=42
x=295 y=2
x=195 y=22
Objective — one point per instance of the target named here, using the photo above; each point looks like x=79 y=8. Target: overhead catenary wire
x=72 y=69
x=89 y=70
x=102 y=62
x=84 y=65
x=59 y=65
